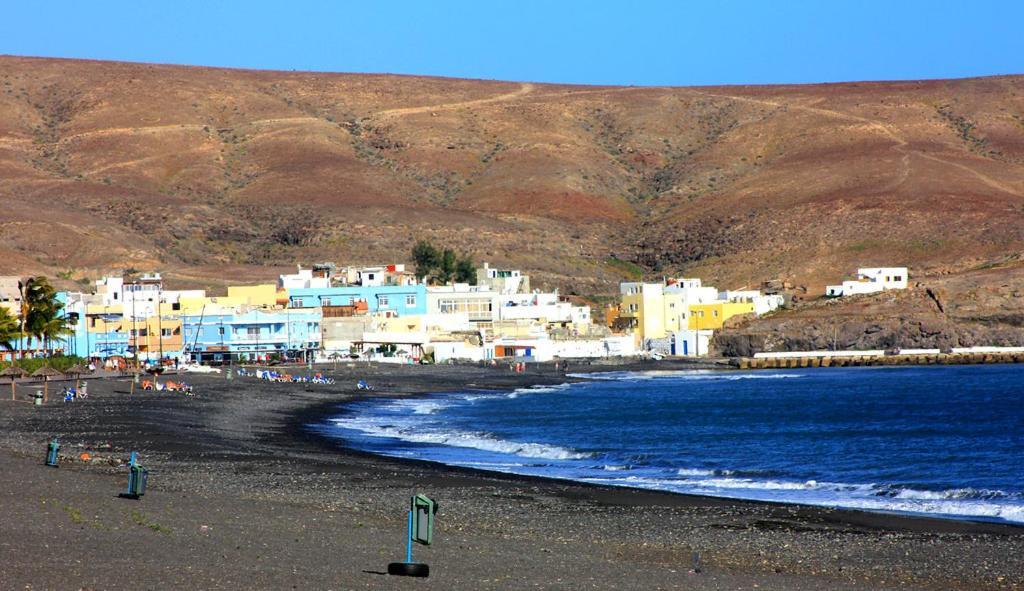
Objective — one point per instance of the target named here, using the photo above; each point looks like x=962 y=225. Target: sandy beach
x=244 y=495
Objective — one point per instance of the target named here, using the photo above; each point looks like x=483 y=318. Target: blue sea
x=944 y=440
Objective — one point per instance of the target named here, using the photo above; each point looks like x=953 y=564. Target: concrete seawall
x=862 y=361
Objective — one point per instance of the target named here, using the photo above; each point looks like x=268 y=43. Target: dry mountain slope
x=208 y=173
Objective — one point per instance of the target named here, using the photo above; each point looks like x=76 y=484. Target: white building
x=376 y=276
x=763 y=303
x=304 y=279
x=871 y=280
x=10 y=295
x=140 y=298
x=503 y=281
x=542 y=349
x=691 y=343
x=479 y=303
x=546 y=308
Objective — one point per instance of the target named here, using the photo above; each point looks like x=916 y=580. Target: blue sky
x=685 y=42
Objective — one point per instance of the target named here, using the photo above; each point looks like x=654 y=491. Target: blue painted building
x=90 y=343
x=402 y=300
x=253 y=335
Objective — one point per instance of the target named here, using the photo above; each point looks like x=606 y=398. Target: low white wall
x=444 y=351
x=988 y=349
x=796 y=354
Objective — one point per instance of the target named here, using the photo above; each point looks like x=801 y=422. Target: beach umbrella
x=13 y=372
x=46 y=372
x=77 y=370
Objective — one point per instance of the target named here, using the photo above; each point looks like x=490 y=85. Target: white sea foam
x=949 y=508
x=694 y=472
x=961 y=503
x=688 y=374
x=382 y=427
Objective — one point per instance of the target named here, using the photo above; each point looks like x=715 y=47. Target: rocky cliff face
x=924 y=316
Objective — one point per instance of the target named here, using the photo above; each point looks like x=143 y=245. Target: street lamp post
x=160 y=323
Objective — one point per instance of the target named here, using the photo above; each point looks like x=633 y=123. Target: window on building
x=176 y=306
x=410 y=300
x=220 y=330
x=714 y=313
x=253 y=331
x=165 y=332
x=382 y=301
x=325 y=302
x=898 y=278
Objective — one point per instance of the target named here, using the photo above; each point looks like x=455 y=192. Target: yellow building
x=155 y=336
x=259 y=296
x=713 y=316
x=103 y=318
x=650 y=311
x=191 y=306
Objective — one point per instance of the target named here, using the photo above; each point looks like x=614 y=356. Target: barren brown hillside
x=211 y=173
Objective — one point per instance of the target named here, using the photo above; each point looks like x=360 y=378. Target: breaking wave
x=683 y=374
x=465 y=439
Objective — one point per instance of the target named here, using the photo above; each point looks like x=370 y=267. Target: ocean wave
x=417 y=406
x=475 y=440
x=616 y=467
x=514 y=393
x=895 y=491
x=946 y=508
x=694 y=472
x=684 y=374
x=954 y=503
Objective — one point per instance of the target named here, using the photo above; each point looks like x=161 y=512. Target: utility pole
x=135 y=337
x=256 y=315
x=88 y=350
x=160 y=323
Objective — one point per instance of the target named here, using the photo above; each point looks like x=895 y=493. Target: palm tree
x=9 y=329
x=54 y=330
x=40 y=311
x=24 y=288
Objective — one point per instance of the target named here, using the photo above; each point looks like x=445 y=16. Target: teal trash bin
x=51 y=453
x=137 y=477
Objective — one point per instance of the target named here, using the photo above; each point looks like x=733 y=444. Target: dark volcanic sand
x=243 y=496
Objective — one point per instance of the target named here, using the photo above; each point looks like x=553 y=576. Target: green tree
x=465 y=270
x=40 y=312
x=54 y=330
x=446 y=270
x=10 y=329
x=426 y=257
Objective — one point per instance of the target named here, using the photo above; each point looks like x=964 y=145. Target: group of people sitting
x=73 y=394
x=167 y=386
x=275 y=376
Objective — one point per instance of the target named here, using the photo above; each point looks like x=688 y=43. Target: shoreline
x=244 y=494
x=322 y=415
